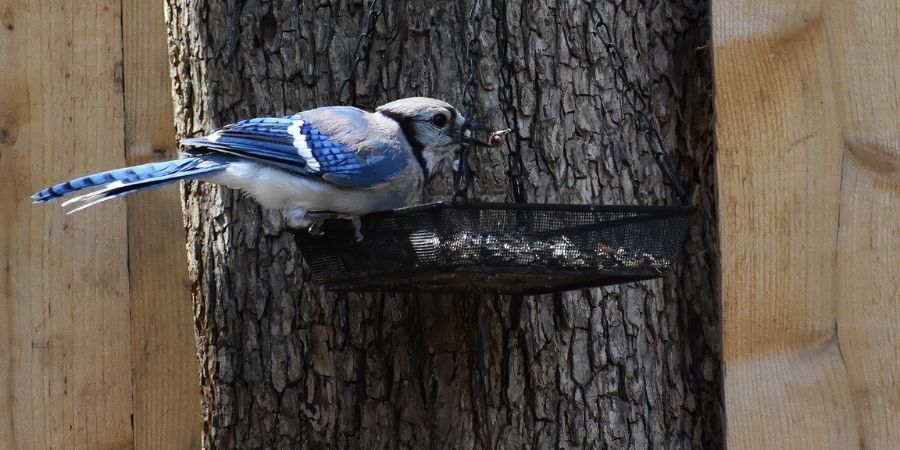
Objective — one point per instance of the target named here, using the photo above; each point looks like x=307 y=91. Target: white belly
x=276 y=189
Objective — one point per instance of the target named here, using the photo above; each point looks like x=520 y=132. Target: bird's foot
x=318 y=218
x=315 y=228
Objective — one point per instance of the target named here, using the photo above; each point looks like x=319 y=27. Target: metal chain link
x=639 y=106
x=361 y=52
x=462 y=179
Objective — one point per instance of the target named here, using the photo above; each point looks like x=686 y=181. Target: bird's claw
x=315 y=228
x=318 y=219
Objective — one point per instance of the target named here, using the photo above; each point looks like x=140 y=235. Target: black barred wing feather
x=294 y=144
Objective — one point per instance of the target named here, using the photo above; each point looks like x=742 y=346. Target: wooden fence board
x=807 y=107
x=166 y=388
x=84 y=367
x=66 y=344
x=779 y=165
x=865 y=42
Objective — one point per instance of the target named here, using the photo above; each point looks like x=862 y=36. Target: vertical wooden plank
x=65 y=351
x=166 y=376
x=779 y=167
x=865 y=41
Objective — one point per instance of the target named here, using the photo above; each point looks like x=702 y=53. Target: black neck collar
x=406 y=126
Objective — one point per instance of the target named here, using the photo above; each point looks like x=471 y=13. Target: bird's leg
x=296 y=218
x=357 y=228
x=299 y=218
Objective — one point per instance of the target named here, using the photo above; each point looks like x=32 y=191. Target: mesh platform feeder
x=504 y=248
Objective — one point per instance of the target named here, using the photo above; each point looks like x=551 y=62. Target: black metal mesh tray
x=496 y=248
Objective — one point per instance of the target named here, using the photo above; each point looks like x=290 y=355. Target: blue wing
x=294 y=144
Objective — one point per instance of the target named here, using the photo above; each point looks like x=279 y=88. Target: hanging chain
x=361 y=52
x=639 y=106
x=462 y=179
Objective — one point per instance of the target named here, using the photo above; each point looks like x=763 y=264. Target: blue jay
x=336 y=161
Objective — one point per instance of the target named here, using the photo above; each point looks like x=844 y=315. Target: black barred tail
x=119 y=182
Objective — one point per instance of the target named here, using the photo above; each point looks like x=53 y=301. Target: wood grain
x=865 y=42
x=808 y=194
x=65 y=348
x=166 y=392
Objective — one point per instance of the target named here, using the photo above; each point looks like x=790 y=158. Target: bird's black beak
x=475 y=126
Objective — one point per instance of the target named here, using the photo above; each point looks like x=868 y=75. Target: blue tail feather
x=119 y=182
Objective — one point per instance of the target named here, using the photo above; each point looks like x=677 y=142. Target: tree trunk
x=284 y=364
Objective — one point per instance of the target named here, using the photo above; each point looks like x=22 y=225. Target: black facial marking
x=406 y=126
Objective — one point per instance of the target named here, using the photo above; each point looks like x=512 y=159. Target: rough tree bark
x=286 y=365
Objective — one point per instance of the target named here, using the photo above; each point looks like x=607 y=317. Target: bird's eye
x=439 y=120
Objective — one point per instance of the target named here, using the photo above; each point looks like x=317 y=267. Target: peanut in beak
x=497 y=137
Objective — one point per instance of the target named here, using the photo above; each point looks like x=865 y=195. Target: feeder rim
x=353 y=284
x=675 y=210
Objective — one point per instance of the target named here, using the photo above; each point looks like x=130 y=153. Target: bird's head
x=431 y=126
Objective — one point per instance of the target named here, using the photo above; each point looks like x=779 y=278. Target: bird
x=334 y=161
